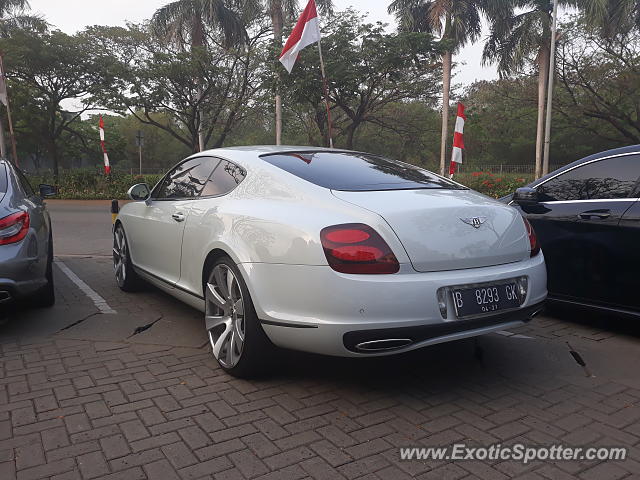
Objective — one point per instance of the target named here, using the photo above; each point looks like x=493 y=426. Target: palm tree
x=613 y=16
x=185 y=22
x=279 y=11
x=458 y=22
x=522 y=34
x=10 y=7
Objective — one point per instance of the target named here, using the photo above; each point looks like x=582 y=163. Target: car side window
x=605 y=179
x=186 y=180
x=24 y=184
x=225 y=178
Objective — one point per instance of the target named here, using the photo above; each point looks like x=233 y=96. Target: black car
x=587 y=218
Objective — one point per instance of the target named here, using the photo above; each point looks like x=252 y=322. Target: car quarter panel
x=269 y=218
x=24 y=263
x=435 y=227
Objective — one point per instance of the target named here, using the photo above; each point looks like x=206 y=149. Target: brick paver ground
x=122 y=409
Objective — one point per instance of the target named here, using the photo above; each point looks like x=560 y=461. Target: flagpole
x=13 y=137
x=552 y=70
x=326 y=94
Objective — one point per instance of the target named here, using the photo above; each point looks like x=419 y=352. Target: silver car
x=26 y=245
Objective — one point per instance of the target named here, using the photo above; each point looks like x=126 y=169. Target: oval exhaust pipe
x=383 y=345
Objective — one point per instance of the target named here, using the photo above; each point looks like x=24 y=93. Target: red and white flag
x=306 y=32
x=107 y=167
x=458 y=140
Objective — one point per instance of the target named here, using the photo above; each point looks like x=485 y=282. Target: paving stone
x=76 y=409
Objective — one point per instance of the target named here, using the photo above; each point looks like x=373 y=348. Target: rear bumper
x=423 y=335
x=21 y=275
x=315 y=309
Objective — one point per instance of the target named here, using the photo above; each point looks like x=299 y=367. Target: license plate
x=485 y=299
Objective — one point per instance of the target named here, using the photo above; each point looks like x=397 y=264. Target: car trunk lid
x=443 y=229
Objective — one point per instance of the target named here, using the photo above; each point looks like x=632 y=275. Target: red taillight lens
x=14 y=228
x=533 y=239
x=357 y=248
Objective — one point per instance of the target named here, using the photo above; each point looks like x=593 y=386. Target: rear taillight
x=357 y=248
x=533 y=239
x=14 y=228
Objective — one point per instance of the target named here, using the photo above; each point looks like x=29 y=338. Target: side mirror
x=139 y=192
x=526 y=196
x=47 y=190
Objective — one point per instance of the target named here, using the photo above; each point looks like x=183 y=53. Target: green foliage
x=48 y=69
x=91 y=184
x=600 y=81
x=384 y=90
x=368 y=70
x=492 y=185
x=206 y=89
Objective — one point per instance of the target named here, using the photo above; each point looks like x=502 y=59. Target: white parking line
x=100 y=303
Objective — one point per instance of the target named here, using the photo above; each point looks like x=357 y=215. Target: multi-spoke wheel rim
x=224 y=315
x=120 y=255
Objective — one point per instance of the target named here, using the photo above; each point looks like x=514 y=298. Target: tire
x=126 y=277
x=237 y=339
x=46 y=296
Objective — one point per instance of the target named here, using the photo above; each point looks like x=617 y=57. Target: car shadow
x=451 y=363
x=590 y=318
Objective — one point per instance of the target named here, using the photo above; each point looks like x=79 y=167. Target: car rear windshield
x=3 y=179
x=356 y=171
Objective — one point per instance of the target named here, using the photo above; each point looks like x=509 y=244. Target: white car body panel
x=154 y=221
x=430 y=225
x=270 y=224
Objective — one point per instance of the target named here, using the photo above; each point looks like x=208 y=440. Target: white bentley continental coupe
x=328 y=251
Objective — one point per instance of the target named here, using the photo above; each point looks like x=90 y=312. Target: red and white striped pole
x=458 y=140
x=107 y=167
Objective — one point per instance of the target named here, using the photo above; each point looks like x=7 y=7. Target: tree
x=521 y=34
x=186 y=22
x=57 y=68
x=279 y=11
x=13 y=16
x=502 y=114
x=612 y=17
x=168 y=87
x=369 y=71
x=458 y=22
x=600 y=79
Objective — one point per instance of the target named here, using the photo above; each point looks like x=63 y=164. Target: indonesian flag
x=306 y=32
x=107 y=167
x=458 y=140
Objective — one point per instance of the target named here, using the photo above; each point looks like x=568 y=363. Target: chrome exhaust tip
x=4 y=296
x=536 y=313
x=383 y=345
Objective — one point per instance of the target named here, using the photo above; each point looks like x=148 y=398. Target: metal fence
x=499 y=169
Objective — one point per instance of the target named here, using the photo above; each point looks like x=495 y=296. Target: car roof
x=595 y=156
x=253 y=152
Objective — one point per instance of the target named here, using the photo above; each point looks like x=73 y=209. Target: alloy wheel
x=120 y=256
x=224 y=315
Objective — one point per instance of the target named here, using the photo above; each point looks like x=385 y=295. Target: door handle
x=178 y=217
x=601 y=214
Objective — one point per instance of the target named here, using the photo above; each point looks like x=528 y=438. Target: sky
x=73 y=15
